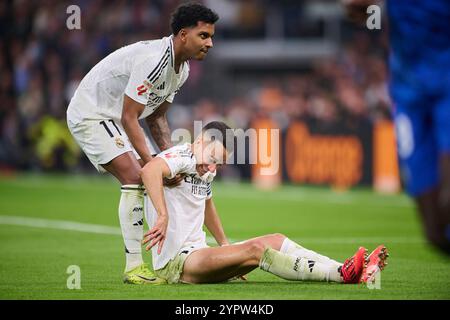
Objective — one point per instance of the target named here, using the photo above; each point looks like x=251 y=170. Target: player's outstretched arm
x=213 y=223
x=130 y=115
x=152 y=176
x=159 y=127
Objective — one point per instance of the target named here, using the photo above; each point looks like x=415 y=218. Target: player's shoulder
x=157 y=55
x=184 y=150
x=178 y=151
x=151 y=51
x=179 y=159
x=157 y=45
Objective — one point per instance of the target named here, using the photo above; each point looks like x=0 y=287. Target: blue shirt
x=419 y=32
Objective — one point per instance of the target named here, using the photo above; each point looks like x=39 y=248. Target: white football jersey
x=144 y=71
x=185 y=205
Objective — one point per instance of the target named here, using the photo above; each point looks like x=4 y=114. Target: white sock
x=131 y=218
x=297 y=268
x=292 y=248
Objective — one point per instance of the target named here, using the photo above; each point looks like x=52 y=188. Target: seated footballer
x=176 y=216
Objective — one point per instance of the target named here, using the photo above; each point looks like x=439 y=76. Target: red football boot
x=353 y=268
x=376 y=262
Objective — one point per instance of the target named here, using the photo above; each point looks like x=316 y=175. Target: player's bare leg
x=428 y=208
x=434 y=207
x=219 y=264
x=125 y=168
x=444 y=198
x=131 y=215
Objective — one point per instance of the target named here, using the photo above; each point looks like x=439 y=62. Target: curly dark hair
x=189 y=14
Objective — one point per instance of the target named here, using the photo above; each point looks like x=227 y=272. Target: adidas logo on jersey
x=311 y=265
x=161 y=86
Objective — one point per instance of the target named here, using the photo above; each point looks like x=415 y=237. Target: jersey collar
x=172 y=52
x=172 y=57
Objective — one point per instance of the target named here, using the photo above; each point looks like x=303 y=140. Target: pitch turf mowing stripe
x=230 y=190
x=320 y=199
x=101 y=229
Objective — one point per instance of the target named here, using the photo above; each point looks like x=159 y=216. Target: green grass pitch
x=34 y=258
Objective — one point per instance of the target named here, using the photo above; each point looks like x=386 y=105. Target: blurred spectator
x=54 y=147
x=323 y=110
x=207 y=110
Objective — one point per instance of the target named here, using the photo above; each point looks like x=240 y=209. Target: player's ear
x=183 y=34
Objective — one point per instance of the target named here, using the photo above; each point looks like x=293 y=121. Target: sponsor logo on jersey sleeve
x=142 y=89
x=170 y=155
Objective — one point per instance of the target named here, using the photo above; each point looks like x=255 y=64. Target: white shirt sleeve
x=139 y=86
x=178 y=161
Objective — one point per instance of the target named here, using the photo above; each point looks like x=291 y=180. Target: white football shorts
x=172 y=271
x=103 y=140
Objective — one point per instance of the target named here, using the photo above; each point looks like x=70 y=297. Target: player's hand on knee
x=156 y=235
x=175 y=181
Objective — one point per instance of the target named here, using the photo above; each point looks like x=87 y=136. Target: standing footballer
x=419 y=65
x=138 y=81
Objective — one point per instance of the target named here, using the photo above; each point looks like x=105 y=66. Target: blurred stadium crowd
x=41 y=63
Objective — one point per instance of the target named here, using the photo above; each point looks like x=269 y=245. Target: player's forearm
x=137 y=138
x=152 y=178
x=159 y=128
x=214 y=224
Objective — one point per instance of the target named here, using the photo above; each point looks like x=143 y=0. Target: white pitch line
x=102 y=229
x=59 y=225
x=63 y=225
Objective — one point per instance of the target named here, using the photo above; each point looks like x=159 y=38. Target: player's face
x=199 y=40
x=210 y=156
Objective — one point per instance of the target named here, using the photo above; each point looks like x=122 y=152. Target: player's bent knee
x=256 y=249
x=129 y=177
x=126 y=169
x=275 y=240
x=131 y=180
x=279 y=236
